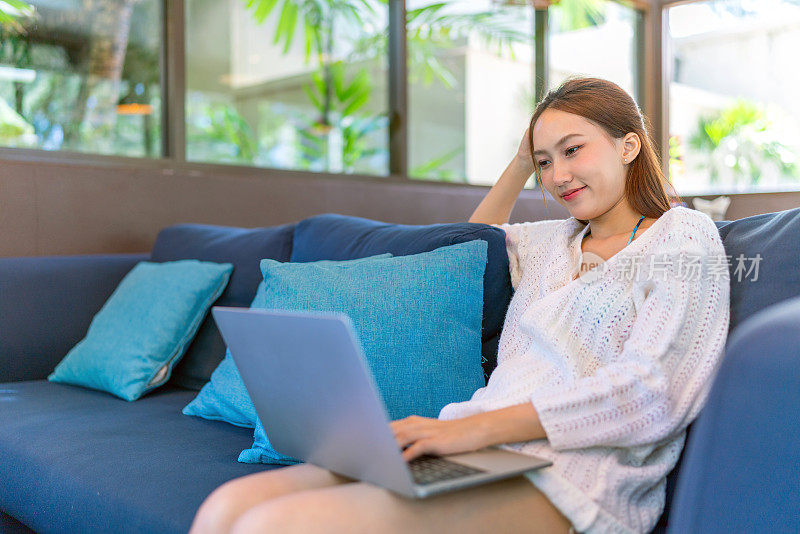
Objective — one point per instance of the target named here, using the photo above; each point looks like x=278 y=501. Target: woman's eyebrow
x=561 y=142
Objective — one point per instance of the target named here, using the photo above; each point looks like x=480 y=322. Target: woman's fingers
x=404 y=437
x=411 y=429
x=419 y=448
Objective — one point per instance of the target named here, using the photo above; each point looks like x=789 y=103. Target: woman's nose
x=561 y=174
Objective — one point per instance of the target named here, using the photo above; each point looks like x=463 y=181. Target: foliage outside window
x=81 y=76
x=303 y=85
x=288 y=85
x=734 y=114
x=470 y=87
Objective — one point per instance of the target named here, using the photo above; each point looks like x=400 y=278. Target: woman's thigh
x=230 y=500
x=513 y=505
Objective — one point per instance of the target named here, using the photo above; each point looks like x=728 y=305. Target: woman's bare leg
x=226 y=503
x=513 y=505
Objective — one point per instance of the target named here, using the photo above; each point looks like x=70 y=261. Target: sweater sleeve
x=519 y=238
x=661 y=378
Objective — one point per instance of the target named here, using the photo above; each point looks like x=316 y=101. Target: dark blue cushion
x=740 y=471
x=47 y=304
x=244 y=248
x=776 y=237
x=79 y=460
x=340 y=237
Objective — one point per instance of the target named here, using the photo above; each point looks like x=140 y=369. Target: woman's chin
x=579 y=213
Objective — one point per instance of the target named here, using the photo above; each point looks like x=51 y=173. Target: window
x=593 y=38
x=81 y=79
x=304 y=85
x=734 y=120
x=470 y=88
x=273 y=85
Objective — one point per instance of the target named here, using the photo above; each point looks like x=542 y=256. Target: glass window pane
x=734 y=117
x=82 y=76
x=470 y=68
x=288 y=88
x=593 y=38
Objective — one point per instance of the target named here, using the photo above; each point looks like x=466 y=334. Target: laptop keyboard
x=428 y=469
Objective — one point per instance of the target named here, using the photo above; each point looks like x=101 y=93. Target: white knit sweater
x=617 y=365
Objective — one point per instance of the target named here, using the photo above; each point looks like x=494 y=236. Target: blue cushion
x=244 y=248
x=418 y=319
x=143 y=329
x=78 y=460
x=225 y=398
x=776 y=237
x=341 y=237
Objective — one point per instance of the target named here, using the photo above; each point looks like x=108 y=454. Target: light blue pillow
x=143 y=329
x=224 y=397
x=418 y=318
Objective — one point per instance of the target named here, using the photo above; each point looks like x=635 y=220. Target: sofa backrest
x=244 y=248
x=764 y=251
x=775 y=238
x=47 y=304
x=323 y=237
x=340 y=237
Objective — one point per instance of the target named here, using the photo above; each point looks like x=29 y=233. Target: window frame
x=651 y=90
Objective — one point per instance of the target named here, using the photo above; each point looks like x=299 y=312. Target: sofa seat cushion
x=79 y=460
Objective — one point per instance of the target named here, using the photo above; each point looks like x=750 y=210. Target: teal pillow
x=143 y=329
x=224 y=397
x=418 y=318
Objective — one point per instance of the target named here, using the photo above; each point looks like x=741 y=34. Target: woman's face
x=573 y=152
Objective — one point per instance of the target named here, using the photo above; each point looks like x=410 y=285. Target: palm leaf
x=261 y=9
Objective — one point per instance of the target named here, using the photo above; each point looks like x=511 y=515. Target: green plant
x=12 y=125
x=434 y=168
x=578 y=14
x=224 y=125
x=347 y=96
x=10 y=13
x=738 y=140
x=429 y=31
x=676 y=166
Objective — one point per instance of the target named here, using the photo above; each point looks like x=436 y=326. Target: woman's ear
x=631 y=145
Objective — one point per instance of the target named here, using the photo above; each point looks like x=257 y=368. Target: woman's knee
x=233 y=498
x=307 y=512
x=270 y=516
x=218 y=511
x=227 y=502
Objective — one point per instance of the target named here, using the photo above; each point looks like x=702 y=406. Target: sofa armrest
x=46 y=305
x=740 y=472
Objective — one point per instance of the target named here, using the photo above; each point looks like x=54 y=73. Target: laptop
x=313 y=391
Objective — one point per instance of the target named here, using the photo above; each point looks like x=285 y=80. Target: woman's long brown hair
x=612 y=108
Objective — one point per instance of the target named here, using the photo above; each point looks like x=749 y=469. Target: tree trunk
x=108 y=29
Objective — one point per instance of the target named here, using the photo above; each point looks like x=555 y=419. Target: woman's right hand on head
x=524 y=150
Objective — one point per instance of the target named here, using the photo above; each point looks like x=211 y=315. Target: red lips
x=571 y=191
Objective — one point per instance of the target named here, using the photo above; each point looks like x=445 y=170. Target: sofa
x=78 y=460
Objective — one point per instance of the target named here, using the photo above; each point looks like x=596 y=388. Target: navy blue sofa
x=79 y=460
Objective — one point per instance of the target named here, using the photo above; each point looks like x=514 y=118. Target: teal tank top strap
x=634 y=229
x=589 y=231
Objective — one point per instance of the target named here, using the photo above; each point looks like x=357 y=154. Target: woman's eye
x=568 y=152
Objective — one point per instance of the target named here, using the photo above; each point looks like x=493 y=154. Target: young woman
x=610 y=343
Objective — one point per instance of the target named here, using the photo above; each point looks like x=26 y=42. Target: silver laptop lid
x=306 y=375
